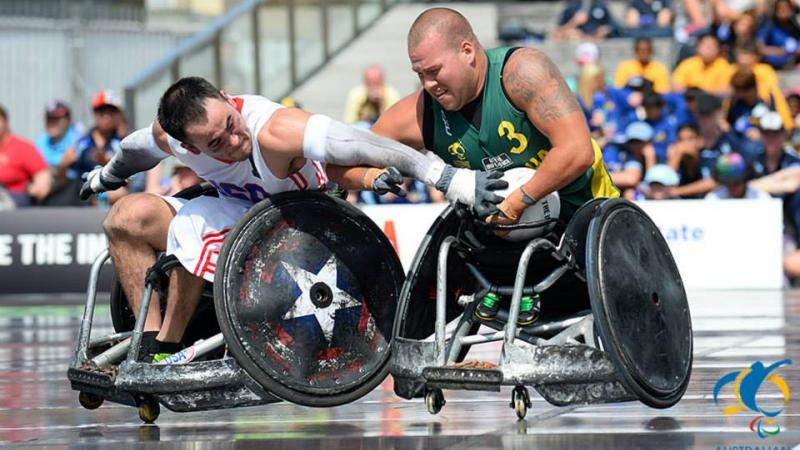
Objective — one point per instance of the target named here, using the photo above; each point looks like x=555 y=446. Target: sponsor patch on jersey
x=500 y=161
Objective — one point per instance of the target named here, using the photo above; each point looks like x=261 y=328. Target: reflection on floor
x=732 y=330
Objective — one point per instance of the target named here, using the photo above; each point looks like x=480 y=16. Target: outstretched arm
x=139 y=151
x=292 y=134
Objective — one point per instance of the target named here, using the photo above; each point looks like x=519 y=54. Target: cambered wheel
x=520 y=401
x=434 y=400
x=149 y=410
x=90 y=401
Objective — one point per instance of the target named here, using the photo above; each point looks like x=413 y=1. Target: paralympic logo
x=746 y=384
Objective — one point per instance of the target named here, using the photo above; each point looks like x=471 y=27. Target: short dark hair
x=708 y=34
x=743 y=79
x=642 y=40
x=653 y=99
x=3 y=113
x=183 y=104
x=689 y=126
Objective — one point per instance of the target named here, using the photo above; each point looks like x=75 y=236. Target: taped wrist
x=138 y=153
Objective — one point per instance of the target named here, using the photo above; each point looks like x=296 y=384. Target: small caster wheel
x=434 y=400
x=149 y=410
x=90 y=401
x=520 y=401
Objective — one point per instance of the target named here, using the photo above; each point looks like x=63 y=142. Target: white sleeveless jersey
x=250 y=180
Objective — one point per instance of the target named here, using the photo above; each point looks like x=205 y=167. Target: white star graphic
x=303 y=306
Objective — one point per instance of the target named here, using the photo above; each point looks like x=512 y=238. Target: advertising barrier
x=731 y=244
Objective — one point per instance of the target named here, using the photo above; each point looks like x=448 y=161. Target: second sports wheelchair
x=614 y=324
x=301 y=309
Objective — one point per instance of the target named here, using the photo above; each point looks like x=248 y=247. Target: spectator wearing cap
x=744 y=108
x=628 y=159
x=102 y=141
x=779 y=36
x=716 y=142
x=642 y=65
x=767 y=84
x=659 y=181
x=60 y=133
x=665 y=126
x=649 y=18
x=23 y=172
x=585 y=19
x=732 y=173
x=779 y=168
x=707 y=70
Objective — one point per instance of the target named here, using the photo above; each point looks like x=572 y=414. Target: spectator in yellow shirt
x=707 y=70
x=643 y=66
x=767 y=85
x=366 y=102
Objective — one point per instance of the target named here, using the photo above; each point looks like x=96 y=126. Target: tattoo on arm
x=536 y=85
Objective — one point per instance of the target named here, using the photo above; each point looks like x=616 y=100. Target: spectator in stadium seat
x=659 y=182
x=60 y=133
x=732 y=173
x=367 y=101
x=600 y=104
x=586 y=19
x=716 y=142
x=102 y=141
x=741 y=31
x=683 y=155
x=23 y=172
x=651 y=18
x=627 y=161
x=744 y=108
x=779 y=36
x=643 y=66
x=707 y=70
x=767 y=84
x=665 y=126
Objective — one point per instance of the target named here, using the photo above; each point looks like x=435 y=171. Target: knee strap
x=160 y=270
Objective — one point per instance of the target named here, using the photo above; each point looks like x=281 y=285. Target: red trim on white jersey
x=208 y=240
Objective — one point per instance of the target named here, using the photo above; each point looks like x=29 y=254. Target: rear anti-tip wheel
x=434 y=400
x=149 y=410
x=520 y=401
x=90 y=401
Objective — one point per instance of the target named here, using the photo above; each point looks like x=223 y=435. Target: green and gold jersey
x=505 y=139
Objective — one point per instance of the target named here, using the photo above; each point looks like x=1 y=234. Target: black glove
x=390 y=180
x=485 y=199
x=97 y=182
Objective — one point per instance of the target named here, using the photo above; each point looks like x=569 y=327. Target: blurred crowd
x=50 y=170
x=715 y=123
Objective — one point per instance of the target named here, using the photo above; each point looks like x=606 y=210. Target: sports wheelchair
x=301 y=309
x=614 y=324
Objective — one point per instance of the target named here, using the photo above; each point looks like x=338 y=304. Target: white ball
x=544 y=209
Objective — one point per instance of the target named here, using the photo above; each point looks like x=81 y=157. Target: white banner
x=724 y=244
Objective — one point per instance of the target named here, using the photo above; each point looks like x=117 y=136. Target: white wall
x=730 y=244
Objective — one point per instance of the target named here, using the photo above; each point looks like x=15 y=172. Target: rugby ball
x=545 y=209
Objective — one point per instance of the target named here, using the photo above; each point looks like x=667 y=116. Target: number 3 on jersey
x=506 y=129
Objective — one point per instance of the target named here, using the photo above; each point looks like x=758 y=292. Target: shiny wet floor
x=732 y=330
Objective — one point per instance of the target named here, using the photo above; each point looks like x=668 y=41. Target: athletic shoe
x=529 y=309
x=487 y=310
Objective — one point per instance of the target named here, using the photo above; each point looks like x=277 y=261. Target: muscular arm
x=535 y=86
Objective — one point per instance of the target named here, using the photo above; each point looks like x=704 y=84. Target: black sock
x=147 y=343
x=165 y=347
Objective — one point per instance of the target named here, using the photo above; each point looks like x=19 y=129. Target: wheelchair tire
x=639 y=303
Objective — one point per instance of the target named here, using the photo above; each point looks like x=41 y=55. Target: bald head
x=443 y=22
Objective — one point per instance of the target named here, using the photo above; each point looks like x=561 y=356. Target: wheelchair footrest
x=470 y=379
x=93 y=377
